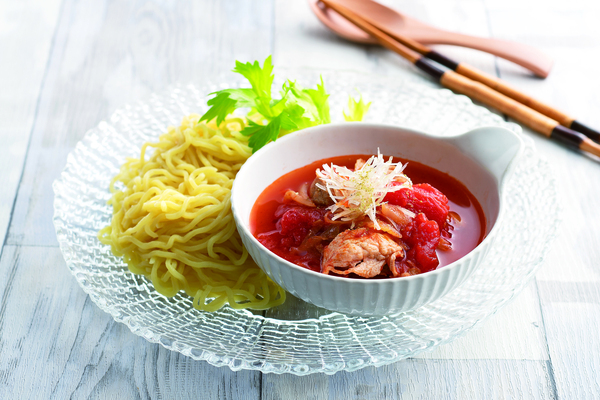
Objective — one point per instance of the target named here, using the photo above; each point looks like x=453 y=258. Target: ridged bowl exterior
x=369 y=297
x=360 y=297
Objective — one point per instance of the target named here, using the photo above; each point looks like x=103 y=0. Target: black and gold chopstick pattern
x=493 y=82
x=467 y=80
x=560 y=132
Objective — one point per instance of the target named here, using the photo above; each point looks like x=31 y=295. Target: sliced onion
x=399 y=215
x=454 y=216
x=291 y=196
x=328 y=218
x=444 y=245
x=383 y=227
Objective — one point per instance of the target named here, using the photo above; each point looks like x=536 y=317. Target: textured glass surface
x=297 y=337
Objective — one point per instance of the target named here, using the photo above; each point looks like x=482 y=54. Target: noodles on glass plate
x=172 y=219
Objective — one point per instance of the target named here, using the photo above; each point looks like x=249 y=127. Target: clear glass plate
x=297 y=337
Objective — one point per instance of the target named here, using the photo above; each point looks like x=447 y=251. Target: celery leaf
x=356 y=109
x=270 y=118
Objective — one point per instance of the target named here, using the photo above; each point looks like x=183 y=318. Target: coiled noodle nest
x=172 y=219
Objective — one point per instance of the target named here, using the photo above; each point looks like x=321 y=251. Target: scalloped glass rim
x=297 y=338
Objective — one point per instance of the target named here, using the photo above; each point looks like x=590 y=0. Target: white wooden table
x=65 y=65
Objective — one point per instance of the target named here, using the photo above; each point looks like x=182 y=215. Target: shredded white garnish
x=358 y=193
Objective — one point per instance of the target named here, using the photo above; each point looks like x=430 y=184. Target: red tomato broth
x=464 y=235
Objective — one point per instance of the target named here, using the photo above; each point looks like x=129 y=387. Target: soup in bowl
x=470 y=168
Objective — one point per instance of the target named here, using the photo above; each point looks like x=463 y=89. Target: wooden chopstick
x=491 y=81
x=474 y=89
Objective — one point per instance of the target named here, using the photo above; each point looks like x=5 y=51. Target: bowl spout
x=495 y=148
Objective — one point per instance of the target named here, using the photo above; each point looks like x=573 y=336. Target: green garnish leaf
x=221 y=106
x=292 y=119
x=270 y=118
x=262 y=134
x=314 y=101
x=320 y=99
x=356 y=109
x=261 y=79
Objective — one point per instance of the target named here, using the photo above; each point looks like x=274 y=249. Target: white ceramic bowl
x=480 y=159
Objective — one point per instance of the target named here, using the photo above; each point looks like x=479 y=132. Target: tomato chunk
x=422 y=198
x=423 y=237
x=296 y=222
x=293 y=226
x=271 y=240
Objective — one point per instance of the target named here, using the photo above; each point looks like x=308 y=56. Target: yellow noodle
x=172 y=218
